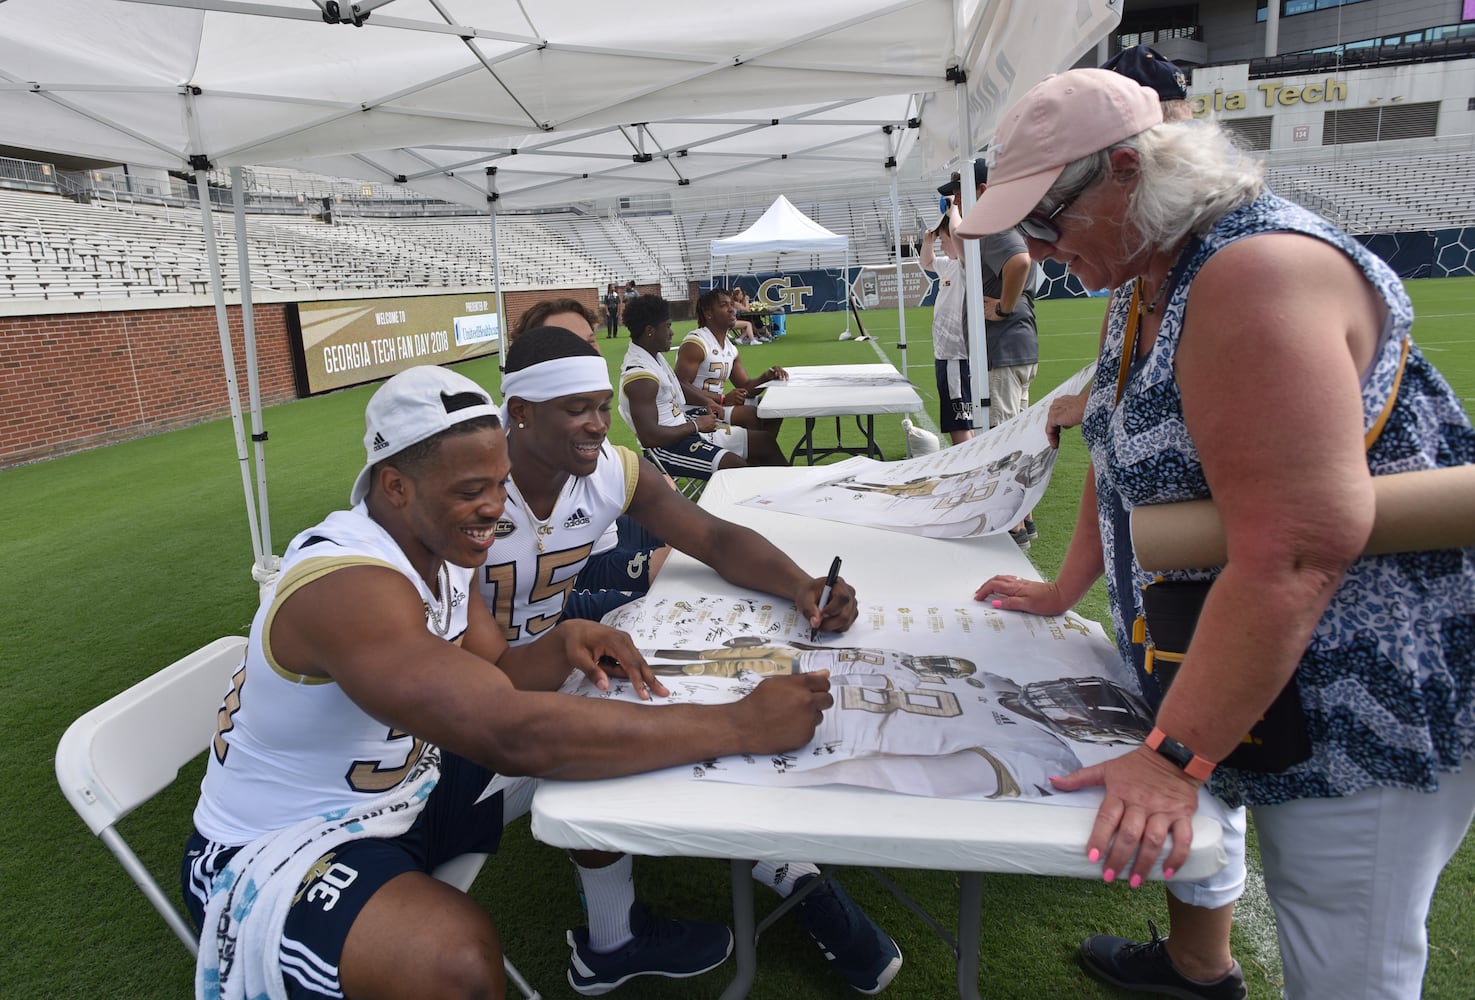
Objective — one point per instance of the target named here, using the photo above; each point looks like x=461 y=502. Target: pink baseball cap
x=1061 y=119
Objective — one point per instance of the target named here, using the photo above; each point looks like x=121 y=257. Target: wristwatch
x=1002 y=313
x=1183 y=758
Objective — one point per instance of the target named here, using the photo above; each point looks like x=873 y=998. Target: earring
x=521 y=426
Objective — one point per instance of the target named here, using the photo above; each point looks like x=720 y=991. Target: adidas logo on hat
x=416 y=404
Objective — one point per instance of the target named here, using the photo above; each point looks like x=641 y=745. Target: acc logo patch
x=504 y=528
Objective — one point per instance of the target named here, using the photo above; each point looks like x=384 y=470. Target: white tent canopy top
x=567 y=103
x=425 y=91
x=781 y=229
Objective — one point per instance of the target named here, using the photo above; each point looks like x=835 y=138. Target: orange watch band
x=1185 y=759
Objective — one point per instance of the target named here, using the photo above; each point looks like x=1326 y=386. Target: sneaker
x=1146 y=968
x=1030 y=529
x=661 y=947
x=1021 y=538
x=859 y=950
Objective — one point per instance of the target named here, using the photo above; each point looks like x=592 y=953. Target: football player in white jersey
x=708 y=359
x=627 y=557
x=678 y=424
x=368 y=670
x=569 y=483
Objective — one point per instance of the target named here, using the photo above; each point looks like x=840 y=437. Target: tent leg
x=492 y=198
x=849 y=298
x=901 y=298
x=972 y=271
x=267 y=564
x=227 y=355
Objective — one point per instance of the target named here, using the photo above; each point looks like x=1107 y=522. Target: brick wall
x=73 y=381
x=76 y=380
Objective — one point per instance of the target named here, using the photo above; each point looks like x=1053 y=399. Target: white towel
x=241 y=940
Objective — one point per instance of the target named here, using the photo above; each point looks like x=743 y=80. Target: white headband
x=550 y=379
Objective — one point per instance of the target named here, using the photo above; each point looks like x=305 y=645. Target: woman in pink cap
x=1257 y=355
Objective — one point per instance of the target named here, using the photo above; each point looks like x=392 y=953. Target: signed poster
x=962 y=701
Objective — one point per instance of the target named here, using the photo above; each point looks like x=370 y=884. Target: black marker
x=824 y=595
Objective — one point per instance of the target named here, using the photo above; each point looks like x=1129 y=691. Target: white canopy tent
x=784 y=229
x=780 y=229
x=426 y=90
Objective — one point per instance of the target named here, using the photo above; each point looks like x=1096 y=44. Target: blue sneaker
x=661 y=947
x=859 y=950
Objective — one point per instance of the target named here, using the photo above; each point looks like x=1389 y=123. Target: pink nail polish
x=1108 y=876
x=998 y=603
x=1168 y=872
x=1134 y=881
x=1093 y=855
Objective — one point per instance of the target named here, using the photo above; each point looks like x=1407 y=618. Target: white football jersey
x=287 y=746
x=715 y=370
x=931 y=720
x=532 y=565
x=670 y=400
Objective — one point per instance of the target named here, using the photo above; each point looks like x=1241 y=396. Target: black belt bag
x=1171 y=609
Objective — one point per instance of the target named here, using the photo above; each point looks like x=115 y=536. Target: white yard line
x=1255 y=921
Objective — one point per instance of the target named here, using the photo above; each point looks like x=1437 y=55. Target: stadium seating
x=56 y=248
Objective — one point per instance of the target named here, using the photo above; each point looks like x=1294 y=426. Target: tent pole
x=972 y=268
x=845 y=285
x=901 y=299
x=227 y=354
x=492 y=198
x=267 y=564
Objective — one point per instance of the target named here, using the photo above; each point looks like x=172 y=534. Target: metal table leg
x=970 y=928
x=745 y=943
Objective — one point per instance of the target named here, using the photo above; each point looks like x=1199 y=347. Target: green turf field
x=122 y=559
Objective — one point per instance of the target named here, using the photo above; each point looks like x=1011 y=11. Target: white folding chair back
x=128 y=749
x=131 y=747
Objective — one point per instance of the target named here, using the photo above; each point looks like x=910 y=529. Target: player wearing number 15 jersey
x=565 y=473
x=535 y=561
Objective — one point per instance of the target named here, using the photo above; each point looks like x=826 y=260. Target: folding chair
x=690 y=487
x=128 y=749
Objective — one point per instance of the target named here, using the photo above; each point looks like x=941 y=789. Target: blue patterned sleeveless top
x=1388 y=681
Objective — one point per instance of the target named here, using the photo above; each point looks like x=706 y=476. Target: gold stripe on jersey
x=305 y=572
x=630 y=462
x=636 y=376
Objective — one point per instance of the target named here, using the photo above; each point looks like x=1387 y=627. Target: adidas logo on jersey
x=379 y=443
x=577 y=519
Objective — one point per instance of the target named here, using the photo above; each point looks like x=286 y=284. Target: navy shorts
x=340 y=883
x=593 y=605
x=955 y=408
x=618 y=568
x=692 y=457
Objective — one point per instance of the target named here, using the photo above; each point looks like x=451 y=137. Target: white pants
x=1350 y=880
x=1008 y=391
x=1228 y=883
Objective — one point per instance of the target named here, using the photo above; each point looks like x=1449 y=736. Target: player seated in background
x=675 y=423
x=708 y=360
x=568 y=485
